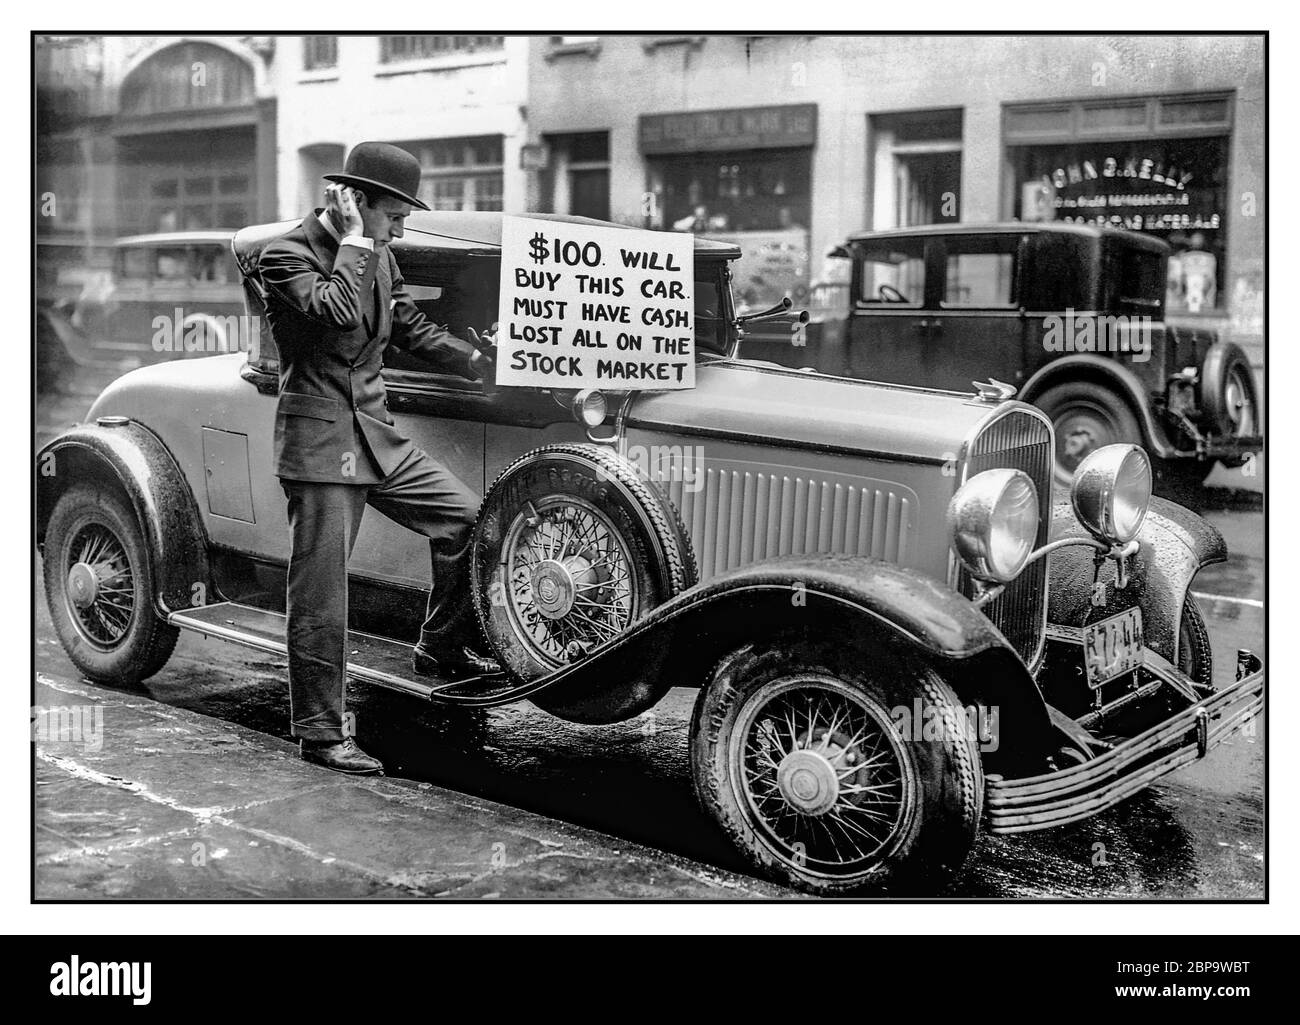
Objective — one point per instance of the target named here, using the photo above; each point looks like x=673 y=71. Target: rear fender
x=1173 y=545
x=131 y=458
x=1121 y=380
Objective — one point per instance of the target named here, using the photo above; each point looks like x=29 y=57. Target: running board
x=371 y=659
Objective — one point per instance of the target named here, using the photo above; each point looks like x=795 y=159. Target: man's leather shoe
x=341 y=756
x=458 y=664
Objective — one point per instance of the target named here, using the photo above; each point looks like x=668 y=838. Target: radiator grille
x=1022 y=441
x=736 y=516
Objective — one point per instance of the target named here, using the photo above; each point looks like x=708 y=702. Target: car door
x=449 y=417
x=888 y=319
x=976 y=328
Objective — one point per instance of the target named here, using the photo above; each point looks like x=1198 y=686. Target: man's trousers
x=422 y=495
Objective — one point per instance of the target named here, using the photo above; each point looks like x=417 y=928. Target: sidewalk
x=140 y=800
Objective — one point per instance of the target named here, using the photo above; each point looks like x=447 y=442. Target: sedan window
x=892 y=273
x=172 y=265
x=134 y=264
x=980 y=272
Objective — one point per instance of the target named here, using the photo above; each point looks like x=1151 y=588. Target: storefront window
x=1163 y=171
x=761 y=190
x=739 y=175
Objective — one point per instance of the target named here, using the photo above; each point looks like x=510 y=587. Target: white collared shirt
x=350 y=240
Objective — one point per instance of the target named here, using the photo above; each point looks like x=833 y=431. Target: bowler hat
x=383 y=167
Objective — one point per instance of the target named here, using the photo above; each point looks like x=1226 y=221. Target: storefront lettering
x=708 y=130
x=1140 y=168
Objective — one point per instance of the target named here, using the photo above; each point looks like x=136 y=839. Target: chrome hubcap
x=99 y=584
x=822 y=774
x=555 y=585
x=83 y=585
x=808 y=782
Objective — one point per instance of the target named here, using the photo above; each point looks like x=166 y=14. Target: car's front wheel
x=836 y=778
x=99 y=587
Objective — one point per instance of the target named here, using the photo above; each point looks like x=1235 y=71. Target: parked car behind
x=1071 y=315
x=897 y=637
x=188 y=279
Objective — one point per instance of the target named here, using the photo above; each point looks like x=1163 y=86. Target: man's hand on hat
x=343 y=209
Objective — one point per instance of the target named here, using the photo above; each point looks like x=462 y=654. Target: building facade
x=456 y=102
x=785 y=144
x=142 y=133
x=152 y=134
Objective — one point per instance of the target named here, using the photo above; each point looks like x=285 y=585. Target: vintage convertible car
x=895 y=636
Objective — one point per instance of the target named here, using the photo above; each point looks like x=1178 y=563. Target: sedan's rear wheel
x=1086 y=417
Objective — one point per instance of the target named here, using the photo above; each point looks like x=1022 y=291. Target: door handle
x=921 y=326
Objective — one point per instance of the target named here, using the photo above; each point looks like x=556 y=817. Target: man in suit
x=335 y=301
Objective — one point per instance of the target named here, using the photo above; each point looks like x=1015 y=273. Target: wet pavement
x=144 y=800
x=1198 y=833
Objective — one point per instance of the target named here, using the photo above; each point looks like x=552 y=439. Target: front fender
x=877 y=608
x=1173 y=544
x=131 y=457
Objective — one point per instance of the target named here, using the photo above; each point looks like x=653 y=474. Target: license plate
x=1113 y=647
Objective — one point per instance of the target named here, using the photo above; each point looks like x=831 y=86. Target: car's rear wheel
x=1086 y=417
x=572 y=546
x=815 y=767
x=99 y=587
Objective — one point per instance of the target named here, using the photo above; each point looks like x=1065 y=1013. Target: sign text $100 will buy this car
x=595 y=307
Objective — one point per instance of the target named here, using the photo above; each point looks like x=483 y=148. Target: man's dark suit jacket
x=331 y=324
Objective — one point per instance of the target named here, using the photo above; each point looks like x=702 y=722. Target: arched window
x=185 y=77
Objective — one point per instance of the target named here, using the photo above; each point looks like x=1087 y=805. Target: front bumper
x=1059 y=798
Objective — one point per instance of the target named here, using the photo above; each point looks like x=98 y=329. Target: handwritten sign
x=594 y=307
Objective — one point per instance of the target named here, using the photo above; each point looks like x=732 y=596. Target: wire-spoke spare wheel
x=99 y=587
x=835 y=778
x=572 y=546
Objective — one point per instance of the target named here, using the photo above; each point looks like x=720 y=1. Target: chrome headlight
x=993 y=521
x=1111 y=492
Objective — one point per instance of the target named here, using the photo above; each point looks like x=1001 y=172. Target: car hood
x=741 y=398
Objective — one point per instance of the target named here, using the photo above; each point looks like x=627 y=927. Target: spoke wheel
x=838 y=767
x=573 y=546
x=99 y=588
x=827 y=783
x=570 y=571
